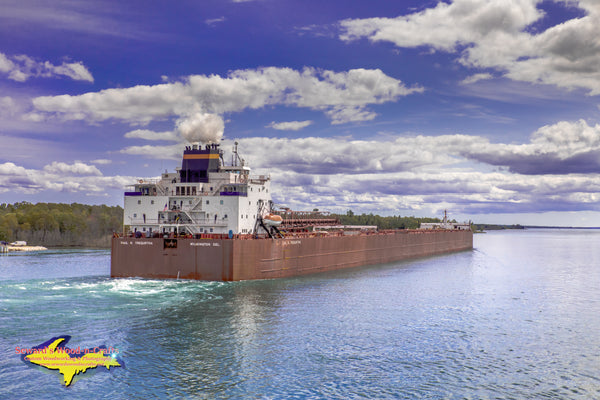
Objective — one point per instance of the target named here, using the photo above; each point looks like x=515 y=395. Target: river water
x=516 y=318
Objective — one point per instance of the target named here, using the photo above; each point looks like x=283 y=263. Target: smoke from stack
x=202 y=127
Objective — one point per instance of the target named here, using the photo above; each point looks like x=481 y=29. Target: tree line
x=392 y=222
x=52 y=224
x=58 y=224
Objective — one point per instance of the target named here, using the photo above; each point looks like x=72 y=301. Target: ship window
x=225 y=217
x=144 y=229
x=134 y=215
x=187 y=191
x=211 y=188
x=151 y=201
x=139 y=202
x=177 y=190
x=221 y=201
x=211 y=229
x=193 y=190
x=207 y=200
x=190 y=202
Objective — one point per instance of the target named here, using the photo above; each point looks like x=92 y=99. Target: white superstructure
x=445 y=224
x=203 y=196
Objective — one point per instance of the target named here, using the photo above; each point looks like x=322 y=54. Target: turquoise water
x=518 y=317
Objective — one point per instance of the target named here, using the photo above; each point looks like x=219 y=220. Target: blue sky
x=489 y=109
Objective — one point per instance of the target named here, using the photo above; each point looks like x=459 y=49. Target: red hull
x=243 y=259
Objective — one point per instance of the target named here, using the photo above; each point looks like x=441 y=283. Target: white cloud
x=214 y=21
x=102 y=161
x=425 y=174
x=494 y=34
x=289 y=125
x=76 y=71
x=172 y=152
x=407 y=175
x=9 y=168
x=5 y=64
x=77 y=168
x=343 y=96
x=341 y=115
x=446 y=26
x=59 y=177
x=561 y=148
x=476 y=77
x=8 y=107
x=152 y=135
x=21 y=67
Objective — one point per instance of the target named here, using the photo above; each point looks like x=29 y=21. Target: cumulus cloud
x=21 y=67
x=290 y=125
x=9 y=168
x=343 y=96
x=77 y=168
x=413 y=173
x=425 y=174
x=463 y=191
x=152 y=135
x=416 y=174
x=561 y=148
x=327 y=156
x=59 y=177
x=494 y=34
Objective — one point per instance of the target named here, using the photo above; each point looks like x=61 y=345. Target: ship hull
x=246 y=259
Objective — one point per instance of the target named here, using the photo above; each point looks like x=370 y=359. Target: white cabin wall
x=137 y=206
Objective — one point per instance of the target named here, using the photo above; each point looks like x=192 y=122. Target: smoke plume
x=202 y=127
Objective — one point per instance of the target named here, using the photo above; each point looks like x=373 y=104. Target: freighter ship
x=209 y=221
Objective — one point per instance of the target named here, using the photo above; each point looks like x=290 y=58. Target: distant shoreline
x=559 y=227
x=499 y=227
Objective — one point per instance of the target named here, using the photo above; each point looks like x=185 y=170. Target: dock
x=6 y=248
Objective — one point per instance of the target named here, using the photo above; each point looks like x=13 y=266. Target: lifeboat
x=272 y=220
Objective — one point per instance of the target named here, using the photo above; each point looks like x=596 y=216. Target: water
x=516 y=318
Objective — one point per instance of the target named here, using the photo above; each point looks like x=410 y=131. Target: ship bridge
x=202 y=196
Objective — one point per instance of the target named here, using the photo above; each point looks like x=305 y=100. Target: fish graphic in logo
x=54 y=355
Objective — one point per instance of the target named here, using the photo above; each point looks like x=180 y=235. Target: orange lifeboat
x=272 y=220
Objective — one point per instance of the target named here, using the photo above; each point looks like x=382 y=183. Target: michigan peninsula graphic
x=69 y=362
